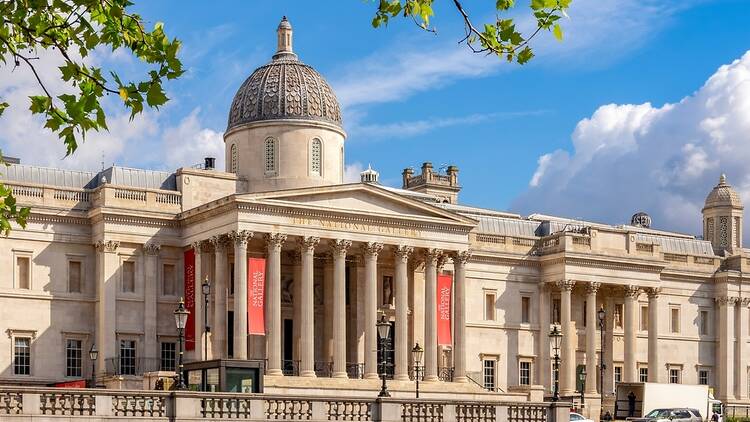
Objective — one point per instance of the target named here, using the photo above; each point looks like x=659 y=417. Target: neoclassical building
x=106 y=257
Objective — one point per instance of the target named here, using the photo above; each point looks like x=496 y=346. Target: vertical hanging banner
x=189 y=291
x=444 y=294
x=256 y=294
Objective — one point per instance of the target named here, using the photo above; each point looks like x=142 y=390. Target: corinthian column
x=240 y=239
x=459 y=318
x=274 y=241
x=151 y=292
x=655 y=369
x=432 y=256
x=218 y=334
x=307 y=307
x=370 y=250
x=339 y=250
x=401 y=371
x=568 y=351
x=631 y=314
x=591 y=323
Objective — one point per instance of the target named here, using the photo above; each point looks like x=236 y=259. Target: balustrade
x=349 y=410
x=138 y=405
x=422 y=412
x=226 y=407
x=289 y=409
x=76 y=404
x=468 y=412
x=11 y=403
x=527 y=413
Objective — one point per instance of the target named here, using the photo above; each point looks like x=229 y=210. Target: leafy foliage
x=72 y=30
x=500 y=37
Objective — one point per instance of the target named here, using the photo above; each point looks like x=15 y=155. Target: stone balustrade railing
x=29 y=403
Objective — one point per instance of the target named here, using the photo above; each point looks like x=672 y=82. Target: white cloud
x=188 y=143
x=352 y=171
x=663 y=160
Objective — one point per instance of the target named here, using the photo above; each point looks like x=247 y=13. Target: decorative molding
x=241 y=237
x=727 y=300
x=307 y=244
x=403 y=252
x=371 y=249
x=565 y=285
x=151 y=249
x=274 y=240
x=432 y=255
x=339 y=247
x=219 y=242
x=632 y=291
x=653 y=292
x=596 y=263
x=107 y=246
x=461 y=257
x=593 y=287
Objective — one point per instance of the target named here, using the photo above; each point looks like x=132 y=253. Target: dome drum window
x=233 y=159
x=316 y=157
x=271 y=157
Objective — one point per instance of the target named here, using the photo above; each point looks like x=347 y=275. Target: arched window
x=233 y=159
x=271 y=156
x=316 y=157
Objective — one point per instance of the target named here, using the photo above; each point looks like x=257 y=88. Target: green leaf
x=557 y=31
x=3 y=106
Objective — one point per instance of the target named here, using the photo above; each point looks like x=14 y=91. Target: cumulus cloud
x=352 y=171
x=188 y=143
x=660 y=159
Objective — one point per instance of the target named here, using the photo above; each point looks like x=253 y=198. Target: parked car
x=679 y=414
x=576 y=417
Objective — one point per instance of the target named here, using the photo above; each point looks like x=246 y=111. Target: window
x=271 y=159
x=22 y=356
x=556 y=311
x=618 y=315
x=674 y=313
x=525 y=310
x=489 y=306
x=488 y=366
x=703 y=376
x=73 y=358
x=618 y=374
x=524 y=373
x=316 y=157
x=584 y=314
x=644 y=318
x=168 y=280
x=703 y=322
x=737 y=232
x=23 y=273
x=233 y=159
x=74 y=276
x=231 y=279
x=127 y=357
x=674 y=376
x=128 y=277
x=643 y=374
x=168 y=356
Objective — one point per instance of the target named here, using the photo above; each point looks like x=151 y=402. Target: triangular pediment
x=359 y=198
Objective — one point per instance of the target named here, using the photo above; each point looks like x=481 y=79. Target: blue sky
x=411 y=96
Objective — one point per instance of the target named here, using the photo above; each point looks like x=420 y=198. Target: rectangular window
x=73 y=358
x=489 y=306
x=168 y=356
x=644 y=318
x=231 y=279
x=489 y=374
x=674 y=376
x=618 y=374
x=74 y=276
x=556 y=311
x=524 y=373
x=168 y=282
x=127 y=357
x=675 y=320
x=22 y=356
x=128 y=277
x=703 y=323
x=618 y=315
x=703 y=377
x=643 y=374
x=584 y=314
x=525 y=310
x=23 y=266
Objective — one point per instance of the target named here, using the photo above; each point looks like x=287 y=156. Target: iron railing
x=133 y=366
x=290 y=368
x=355 y=370
x=445 y=374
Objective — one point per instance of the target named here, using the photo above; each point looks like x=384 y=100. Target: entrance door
x=230 y=333
x=288 y=365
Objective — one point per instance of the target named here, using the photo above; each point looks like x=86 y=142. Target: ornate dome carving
x=283 y=89
x=723 y=195
x=641 y=219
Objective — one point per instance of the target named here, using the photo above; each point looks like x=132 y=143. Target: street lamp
x=602 y=366
x=180 y=319
x=93 y=356
x=417 y=352
x=384 y=331
x=555 y=336
x=582 y=381
x=206 y=289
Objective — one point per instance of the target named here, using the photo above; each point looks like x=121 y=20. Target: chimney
x=209 y=163
x=407 y=174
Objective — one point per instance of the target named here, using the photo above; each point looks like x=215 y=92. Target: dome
x=723 y=195
x=284 y=89
x=641 y=219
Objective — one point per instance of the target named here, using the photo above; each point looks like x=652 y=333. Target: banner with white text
x=256 y=294
x=189 y=258
x=444 y=296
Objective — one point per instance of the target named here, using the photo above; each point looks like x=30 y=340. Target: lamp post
x=417 y=352
x=602 y=366
x=384 y=331
x=93 y=356
x=206 y=290
x=555 y=336
x=180 y=319
x=582 y=381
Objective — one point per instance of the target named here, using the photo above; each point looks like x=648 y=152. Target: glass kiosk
x=225 y=375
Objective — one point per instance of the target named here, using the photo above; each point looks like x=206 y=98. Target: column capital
x=632 y=291
x=565 y=285
x=241 y=237
x=274 y=240
x=726 y=300
x=745 y=301
x=371 y=249
x=308 y=243
x=461 y=257
x=107 y=246
x=219 y=242
x=402 y=252
x=432 y=255
x=151 y=248
x=339 y=247
x=653 y=292
x=593 y=287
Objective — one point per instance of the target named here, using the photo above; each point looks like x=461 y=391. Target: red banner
x=70 y=384
x=189 y=259
x=256 y=293
x=444 y=292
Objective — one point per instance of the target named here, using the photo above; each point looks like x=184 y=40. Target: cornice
x=135 y=220
x=521 y=260
x=57 y=219
x=605 y=264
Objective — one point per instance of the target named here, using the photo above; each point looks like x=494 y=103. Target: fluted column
x=656 y=371
x=631 y=314
x=591 y=324
x=725 y=357
x=274 y=241
x=608 y=348
x=430 y=314
x=107 y=264
x=568 y=351
x=370 y=251
x=740 y=355
x=296 y=259
x=543 y=346
x=307 y=307
x=240 y=239
x=339 y=250
x=198 y=301
x=401 y=279
x=151 y=293
x=219 y=332
x=459 y=318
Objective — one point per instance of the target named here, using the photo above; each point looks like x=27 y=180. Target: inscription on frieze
x=358 y=227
